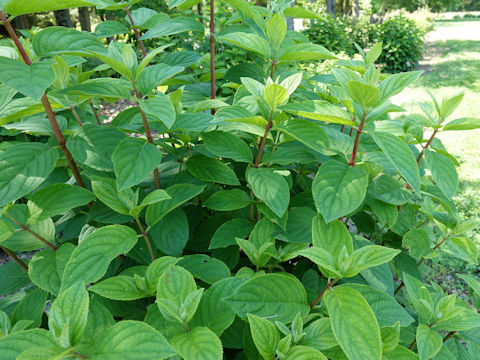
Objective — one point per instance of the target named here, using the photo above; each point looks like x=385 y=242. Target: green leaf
x=106 y=191
x=172 y=27
x=13 y=278
x=226 y=145
x=429 y=342
x=443 y=172
x=247 y=41
x=463 y=248
x=90 y=259
x=30 y=309
x=133 y=160
x=225 y=235
x=472 y=282
x=400 y=156
x=179 y=193
x=109 y=28
x=205 y=268
x=213 y=312
x=13 y=345
x=56 y=199
x=462 y=124
x=56 y=40
x=418 y=242
x=199 y=343
x=319 y=335
x=122 y=288
x=93 y=145
x=306 y=52
x=300 y=352
x=400 y=353
x=156 y=269
x=15 y=8
x=275 y=95
x=389 y=190
x=170 y=234
x=47 y=266
x=325 y=261
x=24 y=168
x=370 y=256
x=419 y=295
x=275 y=29
x=67 y=317
x=23 y=107
x=319 y=110
x=156 y=75
x=364 y=95
x=339 y=189
x=212 y=170
x=449 y=105
x=265 y=335
x=113 y=58
x=228 y=200
x=175 y=284
x=299 y=12
x=271 y=188
x=160 y=108
x=132 y=340
x=101 y=87
x=353 y=323
x=30 y=80
x=332 y=237
x=464 y=319
x=395 y=83
x=307 y=133
x=276 y=296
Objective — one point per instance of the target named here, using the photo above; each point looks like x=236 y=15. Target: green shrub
x=249 y=226
x=402 y=43
x=330 y=33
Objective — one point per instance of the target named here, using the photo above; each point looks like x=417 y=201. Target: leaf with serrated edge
x=199 y=343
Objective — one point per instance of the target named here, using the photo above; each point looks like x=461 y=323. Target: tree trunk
x=62 y=18
x=357 y=9
x=200 y=11
x=346 y=9
x=84 y=17
x=331 y=8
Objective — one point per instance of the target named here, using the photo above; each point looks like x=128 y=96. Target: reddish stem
x=258 y=159
x=212 y=52
x=319 y=297
x=145 y=236
x=31 y=232
x=420 y=156
x=95 y=112
x=357 y=140
x=135 y=30
x=15 y=258
x=46 y=104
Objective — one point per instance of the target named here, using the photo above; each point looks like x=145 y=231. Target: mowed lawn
x=452 y=65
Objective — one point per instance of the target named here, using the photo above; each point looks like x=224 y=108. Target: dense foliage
x=287 y=219
x=402 y=39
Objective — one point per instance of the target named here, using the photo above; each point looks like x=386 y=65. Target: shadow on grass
x=460 y=72
x=457 y=20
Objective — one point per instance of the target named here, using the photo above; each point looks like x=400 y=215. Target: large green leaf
x=319 y=335
x=265 y=335
x=339 y=189
x=275 y=30
x=175 y=284
x=332 y=237
x=132 y=340
x=307 y=133
x=31 y=81
x=228 y=200
x=199 y=343
x=23 y=107
x=462 y=124
x=122 y=287
x=109 y=28
x=401 y=157
x=90 y=259
x=205 y=268
x=363 y=94
x=276 y=296
x=429 y=342
x=300 y=352
x=56 y=199
x=319 y=110
x=179 y=193
x=213 y=312
x=68 y=315
x=395 y=83
x=24 y=167
x=106 y=191
x=463 y=248
x=13 y=278
x=47 y=266
x=271 y=188
x=247 y=41
x=306 y=52
x=443 y=172
x=387 y=310
x=19 y=8
x=370 y=256
x=133 y=160
x=160 y=108
x=353 y=323
x=226 y=145
x=30 y=309
x=13 y=345
x=212 y=170
x=101 y=87
x=174 y=26
x=93 y=145
x=170 y=234
x=155 y=75
x=56 y=40
x=225 y=235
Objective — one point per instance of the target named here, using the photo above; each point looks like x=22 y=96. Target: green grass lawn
x=452 y=65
